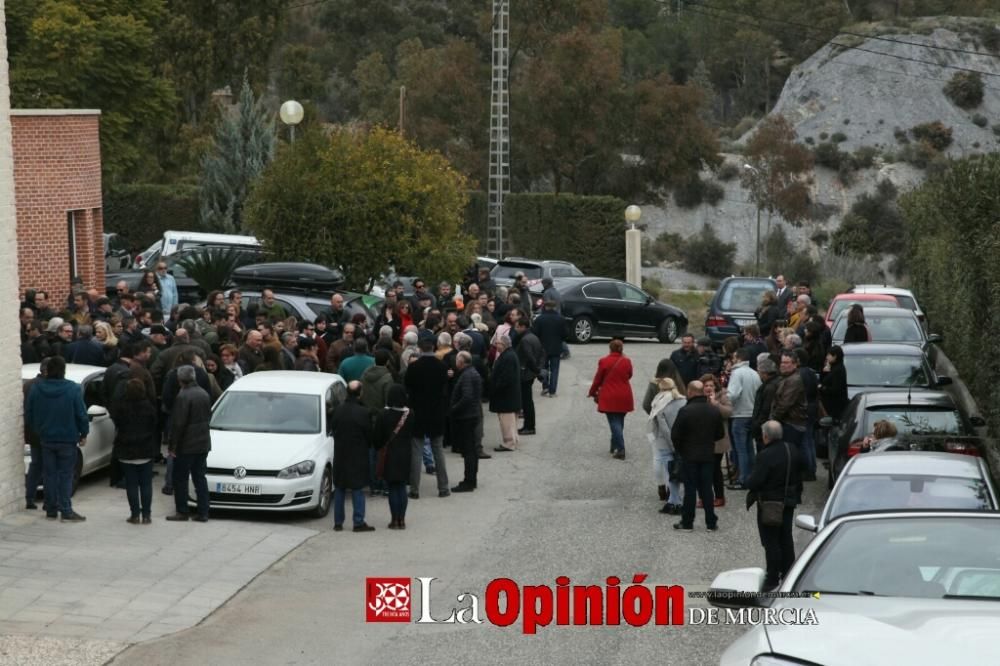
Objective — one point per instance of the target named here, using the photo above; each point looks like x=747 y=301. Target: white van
x=175 y=241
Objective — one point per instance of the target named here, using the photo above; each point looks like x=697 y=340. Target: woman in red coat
x=612 y=391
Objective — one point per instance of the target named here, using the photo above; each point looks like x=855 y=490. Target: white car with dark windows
x=272 y=447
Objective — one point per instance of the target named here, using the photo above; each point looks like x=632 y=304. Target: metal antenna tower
x=499 y=176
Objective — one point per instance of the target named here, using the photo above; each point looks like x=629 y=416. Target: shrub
x=821 y=212
x=965 y=89
x=653 y=286
x=847 y=121
x=900 y=135
x=706 y=254
x=667 y=247
x=996 y=129
x=727 y=172
x=864 y=157
x=141 y=212
x=829 y=155
x=838 y=137
x=745 y=125
x=917 y=154
x=820 y=238
x=696 y=191
x=873 y=225
x=809 y=140
x=980 y=120
x=936 y=134
x=823 y=136
x=713 y=193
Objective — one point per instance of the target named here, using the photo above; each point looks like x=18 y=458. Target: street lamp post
x=633 y=247
x=291 y=114
x=756 y=261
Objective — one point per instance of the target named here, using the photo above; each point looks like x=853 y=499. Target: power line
x=307 y=4
x=702 y=12
x=880 y=38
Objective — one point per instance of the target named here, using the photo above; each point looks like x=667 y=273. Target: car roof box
x=288 y=275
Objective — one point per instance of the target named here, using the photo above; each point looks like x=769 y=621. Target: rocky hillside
x=870 y=97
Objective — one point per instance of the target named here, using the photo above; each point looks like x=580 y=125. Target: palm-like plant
x=211 y=268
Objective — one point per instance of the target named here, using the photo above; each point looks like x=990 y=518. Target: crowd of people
x=420 y=368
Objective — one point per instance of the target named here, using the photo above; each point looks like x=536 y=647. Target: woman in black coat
x=769 y=313
x=137 y=443
x=833 y=384
x=393 y=437
x=857 y=330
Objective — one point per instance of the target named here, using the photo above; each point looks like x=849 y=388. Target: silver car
x=884 y=588
x=897 y=480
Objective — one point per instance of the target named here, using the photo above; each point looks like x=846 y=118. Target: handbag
x=383 y=452
x=772 y=512
x=597 y=393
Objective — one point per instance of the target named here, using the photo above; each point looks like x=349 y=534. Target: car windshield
x=842 y=304
x=930 y=558
x=743 y=295
x=885 y=492
x=907 y=302
x=531 y=271
x=916 y=420
x=279 y=413
x=885 y=329
x=877 y=370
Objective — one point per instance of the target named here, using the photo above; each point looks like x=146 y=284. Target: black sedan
x=885 y=365
x=921 y=415
x=604 y=307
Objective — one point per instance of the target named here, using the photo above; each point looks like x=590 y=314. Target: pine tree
x=703 y=80
x=244 y=144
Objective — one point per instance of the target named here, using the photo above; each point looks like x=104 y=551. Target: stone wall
x=11 y=439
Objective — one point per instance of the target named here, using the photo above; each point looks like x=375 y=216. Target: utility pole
x=402 y=110
x=499 y=171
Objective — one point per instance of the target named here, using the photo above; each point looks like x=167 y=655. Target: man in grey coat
x=532 y=358
x=190 y=442
x=466 y=413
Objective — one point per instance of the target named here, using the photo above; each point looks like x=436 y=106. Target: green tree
x=98 y=54
x=363 y=202
x=777 y=181
x=244 y=145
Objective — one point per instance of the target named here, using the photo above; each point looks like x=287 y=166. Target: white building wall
x=11 y=437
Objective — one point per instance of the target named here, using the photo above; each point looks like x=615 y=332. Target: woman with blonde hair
x=104 y=334
x=666 y=465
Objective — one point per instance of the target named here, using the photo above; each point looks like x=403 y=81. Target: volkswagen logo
x=240 y=472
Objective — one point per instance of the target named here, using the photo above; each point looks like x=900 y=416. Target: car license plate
x=745 y=322
x=238 y=488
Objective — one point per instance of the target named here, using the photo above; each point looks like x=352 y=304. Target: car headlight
x=778 y=660
x=304 y=468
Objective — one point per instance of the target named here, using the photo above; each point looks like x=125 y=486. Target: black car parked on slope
x=604 y=307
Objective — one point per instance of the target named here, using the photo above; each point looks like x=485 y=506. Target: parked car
x=178 y=241
x=932 y=417
x=116 y=253
x=885 y=588
x=898 y=480
x=884 y=365
x=272 y=442
x=734 y=305
x=96 y=454
x=147 y=256
x=891 y=325
x=604 y=307
x=842 y=302
x=905 y=297
x=504 y=271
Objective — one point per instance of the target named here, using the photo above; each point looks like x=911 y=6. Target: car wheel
x=325 y=492
x=583 y=330
x=77 y=471
x=668 y=331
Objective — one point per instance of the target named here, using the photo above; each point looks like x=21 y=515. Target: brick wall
x=57 y=169
x=11 y=440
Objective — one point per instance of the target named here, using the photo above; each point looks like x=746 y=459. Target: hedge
x=141 y=212
x=588 y=231
x=952 y=242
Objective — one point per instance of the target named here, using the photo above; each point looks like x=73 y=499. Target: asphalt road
x=559 y=507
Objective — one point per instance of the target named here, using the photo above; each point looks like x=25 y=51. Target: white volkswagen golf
x=271 y=444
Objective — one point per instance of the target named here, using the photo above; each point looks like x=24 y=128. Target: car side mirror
x=935 y=338
x=944 y=381
x=96 y=411
x=826 y=422
x=649 y=299
x=737 y=588
x=977 y=421
x=805 y=521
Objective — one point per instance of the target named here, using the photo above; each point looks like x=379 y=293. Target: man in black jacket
x=352 y=438
x=776 y=477
x=190 y=442
x=505 y=393
x=698 y=426
x=768 y=372
x=532 y=358
x=426 y=382
x=685 y=359
x=465 y=412
x=551 y=332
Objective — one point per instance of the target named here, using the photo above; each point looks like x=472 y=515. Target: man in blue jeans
x=551 y=331
x=352 y=437
x=698 y=426
x=743 y=385
x=56 y=413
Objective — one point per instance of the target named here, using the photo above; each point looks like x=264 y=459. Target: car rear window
x=842 y=304
x=878 y=492
x=885 y=329
x=507 y=270
x=907 y=302
x=882 y=370
x=916 y=419
x=743 y=295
